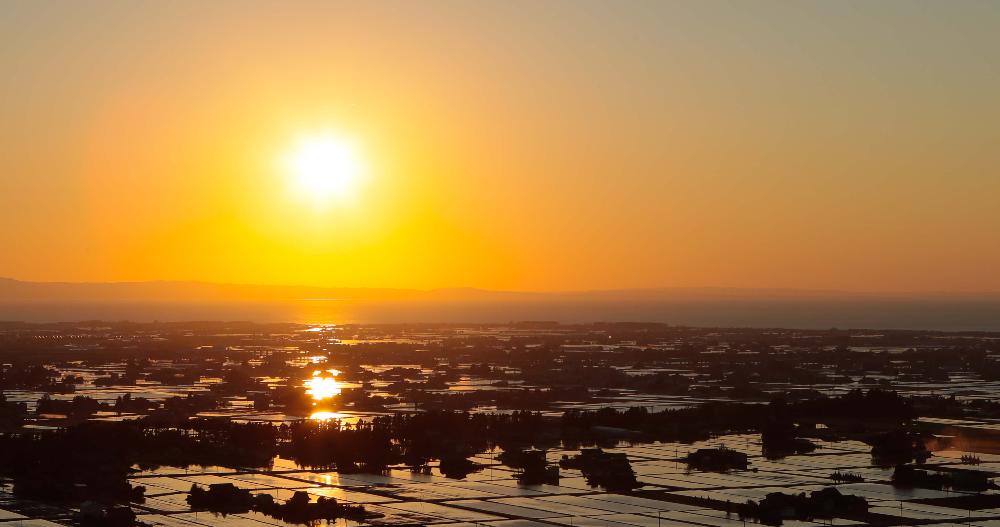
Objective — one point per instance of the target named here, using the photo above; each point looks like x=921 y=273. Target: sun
x=324 y=168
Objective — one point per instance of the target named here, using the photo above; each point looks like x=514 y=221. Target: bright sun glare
x=321 y=387
x=324 y=167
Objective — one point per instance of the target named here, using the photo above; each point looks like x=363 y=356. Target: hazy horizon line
x=469 y=288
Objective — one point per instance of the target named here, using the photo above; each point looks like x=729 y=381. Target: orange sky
x=533 y=146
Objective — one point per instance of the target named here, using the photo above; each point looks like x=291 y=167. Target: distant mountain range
x=184 y=300
x=12 y=290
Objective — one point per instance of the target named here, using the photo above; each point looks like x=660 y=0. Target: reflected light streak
x=326 y=416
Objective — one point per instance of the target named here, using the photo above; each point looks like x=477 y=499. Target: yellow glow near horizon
x=321 y=387
x=324 y=168
x=493 y=145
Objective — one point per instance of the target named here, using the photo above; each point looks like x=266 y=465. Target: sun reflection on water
x=326 y=416
x=323 y=385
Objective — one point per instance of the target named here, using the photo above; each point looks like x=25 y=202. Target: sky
x=514 y=145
